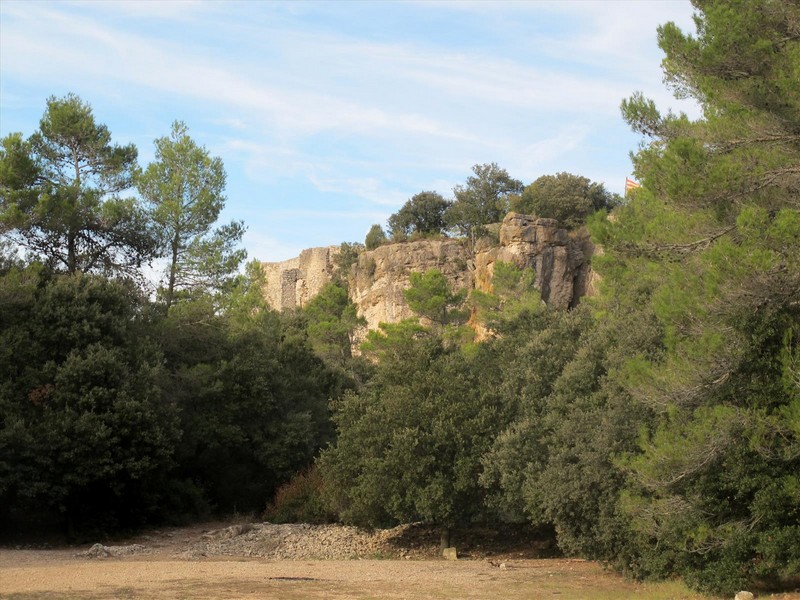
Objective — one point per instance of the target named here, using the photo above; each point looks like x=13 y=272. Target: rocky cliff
x=378 y=279
x=559 y=257
x=376 y=282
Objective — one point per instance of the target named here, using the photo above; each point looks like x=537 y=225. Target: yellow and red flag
x=630 y=184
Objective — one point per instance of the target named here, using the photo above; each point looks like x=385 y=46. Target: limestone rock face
x=292 y=283
x=559 y=258
x=378 y=279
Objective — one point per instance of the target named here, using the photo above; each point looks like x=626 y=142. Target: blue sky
x=328 y=116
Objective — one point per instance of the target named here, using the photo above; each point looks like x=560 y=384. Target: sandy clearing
x=56 y=575
x=259 y=560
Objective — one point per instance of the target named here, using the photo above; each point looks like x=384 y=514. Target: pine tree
x=60 y=194
x=716 y=226
x=184 y=188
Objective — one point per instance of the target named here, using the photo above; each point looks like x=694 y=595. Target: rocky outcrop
x=377 y=281
x=559 y=258
x=292 y=283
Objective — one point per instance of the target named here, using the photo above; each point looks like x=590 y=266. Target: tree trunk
x=173 y=270
x=444 y=539
x=72 y=253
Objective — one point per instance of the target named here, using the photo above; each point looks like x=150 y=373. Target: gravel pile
x=300 y=541
x=101 y=551
x=324 y=542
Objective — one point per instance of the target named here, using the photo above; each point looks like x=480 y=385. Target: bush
x=568 y=198
x=301 y=500
x=422 y=215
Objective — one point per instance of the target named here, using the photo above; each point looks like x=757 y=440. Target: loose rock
x=450 y=553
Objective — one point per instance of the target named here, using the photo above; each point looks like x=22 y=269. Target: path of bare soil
x=293 y=562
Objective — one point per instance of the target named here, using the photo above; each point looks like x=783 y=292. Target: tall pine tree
x=717 y=224
x=60 y=194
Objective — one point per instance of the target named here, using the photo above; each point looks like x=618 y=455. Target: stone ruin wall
x=292 y=283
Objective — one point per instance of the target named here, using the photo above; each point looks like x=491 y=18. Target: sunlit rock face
x=376 y=282
x=559 y=258
x=378 y=279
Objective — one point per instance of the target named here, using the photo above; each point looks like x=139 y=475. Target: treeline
x=125 y=401
x=486 y=197
x=116 y=415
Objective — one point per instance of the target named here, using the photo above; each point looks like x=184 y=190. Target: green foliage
x=345 y=259
x=568 y=198
x=8 y=257
x=331 y=322
x=113 y=417
x=513 y=294
x=391 y=340
x=87 y=435
x=253 y=399
x=715 y=231
x=430 y=297
x=423 y=214
x=375 y=237
x=410 y=441
x=484 y=199
x=59 y=194
x=184 y=189
x=555 y=463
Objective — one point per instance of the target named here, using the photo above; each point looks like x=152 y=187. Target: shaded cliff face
x=377 y=280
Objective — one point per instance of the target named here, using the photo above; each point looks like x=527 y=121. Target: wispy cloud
x=311 y=104
x=268 y=248
x=53 y=41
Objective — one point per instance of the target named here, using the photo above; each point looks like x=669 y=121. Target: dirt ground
x=210 y=562
x=39 y=576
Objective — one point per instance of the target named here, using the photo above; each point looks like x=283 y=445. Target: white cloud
x=370 y=118
x=160 y=9
x=537 y=156
x=56 y=41
x=371 y=189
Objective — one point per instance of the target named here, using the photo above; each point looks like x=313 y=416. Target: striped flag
x=630 y=184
